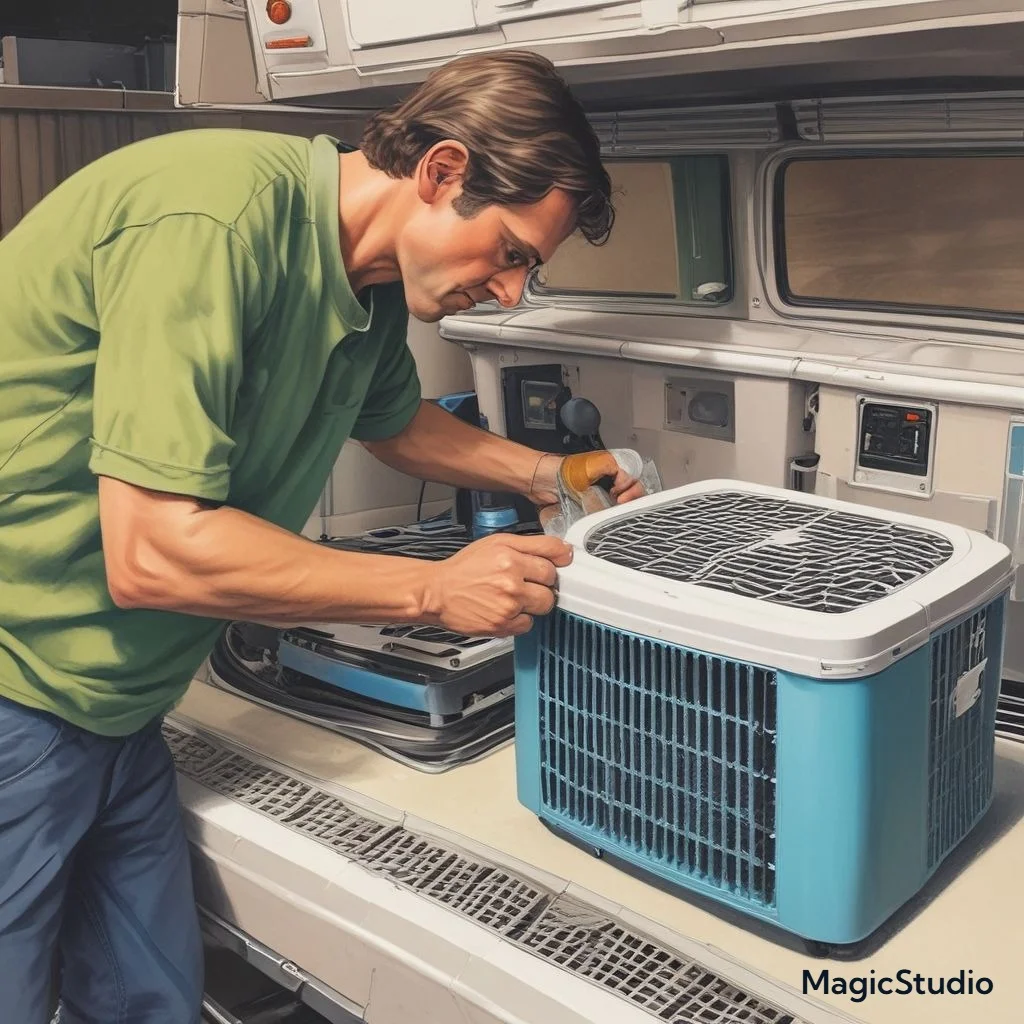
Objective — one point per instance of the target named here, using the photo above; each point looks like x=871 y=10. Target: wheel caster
x=819 y=950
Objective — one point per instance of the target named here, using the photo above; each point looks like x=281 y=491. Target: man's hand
x=495 y=586
x=580 y=472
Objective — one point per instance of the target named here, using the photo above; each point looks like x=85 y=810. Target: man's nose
x=508 y=285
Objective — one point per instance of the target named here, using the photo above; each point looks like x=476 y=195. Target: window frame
x=897 y=319
x=537 y=296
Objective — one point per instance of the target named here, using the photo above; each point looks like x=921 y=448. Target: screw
x=755 y=302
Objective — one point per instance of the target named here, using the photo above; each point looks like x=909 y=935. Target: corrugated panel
x=663 y=132
x=40 y=148
x=967 y=118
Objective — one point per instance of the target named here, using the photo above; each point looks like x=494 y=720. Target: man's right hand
x=495 y=586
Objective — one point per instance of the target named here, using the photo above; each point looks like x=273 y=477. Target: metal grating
x=1010 y=713
x=485 y=893
x=979 y=117
x=670 y=131
x=433 y=635
x=329 y=821
x=961 y=748
x=772 y=549
x=665 y=754
x=667 y=985
x=557 y=929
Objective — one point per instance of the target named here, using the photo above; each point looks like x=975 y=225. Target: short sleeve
x=173 y=299
x=395 y=392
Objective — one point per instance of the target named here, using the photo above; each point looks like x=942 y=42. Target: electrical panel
x=895 y=445
x=701 y=406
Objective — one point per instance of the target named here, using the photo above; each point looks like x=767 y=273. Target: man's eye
x=516 y=258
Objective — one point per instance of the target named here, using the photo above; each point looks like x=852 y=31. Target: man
x=192 y=327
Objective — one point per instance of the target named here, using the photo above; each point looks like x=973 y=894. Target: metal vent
x=661 y=752
x=433 y=635
x=771 y=549
x=668 y=986
x=664 y=132
x=1010 y=713
x=925 y=118
x=961 y=751
x=429 y=543
x=558 y=929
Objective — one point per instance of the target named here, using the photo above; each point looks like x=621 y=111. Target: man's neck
x=371 y=207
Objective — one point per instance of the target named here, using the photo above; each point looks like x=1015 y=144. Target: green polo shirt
x=175 y=315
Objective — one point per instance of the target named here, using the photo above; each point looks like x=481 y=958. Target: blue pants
x=94 y=872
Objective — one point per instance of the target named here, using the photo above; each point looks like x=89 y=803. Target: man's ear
x=441 y=170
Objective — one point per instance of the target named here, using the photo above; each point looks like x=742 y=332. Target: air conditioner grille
x=961 y=751
x=771 y=549
x=667 y=754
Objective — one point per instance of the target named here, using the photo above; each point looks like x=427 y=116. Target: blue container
x=821 y=806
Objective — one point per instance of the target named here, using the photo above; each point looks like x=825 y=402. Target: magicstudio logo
x=904 y=983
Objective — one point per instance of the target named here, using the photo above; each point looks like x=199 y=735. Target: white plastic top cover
x=778 y=578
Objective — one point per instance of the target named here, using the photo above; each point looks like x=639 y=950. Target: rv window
x=916 y=232
x=670 y=241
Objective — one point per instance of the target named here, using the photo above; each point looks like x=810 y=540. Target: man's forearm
x=172 y=553
x=439 y=447
x=225 y=564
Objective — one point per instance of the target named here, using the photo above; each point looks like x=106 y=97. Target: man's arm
x=440 y=447
x=175 y=553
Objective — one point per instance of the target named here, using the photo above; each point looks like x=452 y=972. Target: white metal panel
x=373 y=50
x=372 y=23
x=502 y=11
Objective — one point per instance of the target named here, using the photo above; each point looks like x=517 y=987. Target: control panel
x=895 y=445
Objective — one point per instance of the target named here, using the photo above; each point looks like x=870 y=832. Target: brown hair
x=525 y=131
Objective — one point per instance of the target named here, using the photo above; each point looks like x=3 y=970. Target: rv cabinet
x=359 y=53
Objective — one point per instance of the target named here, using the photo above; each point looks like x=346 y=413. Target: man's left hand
x=580 y=472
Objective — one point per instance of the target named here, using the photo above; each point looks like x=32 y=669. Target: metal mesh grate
x=262 y=788
x=962 y=752
x=479 y=891
x=329 y=821
x=192 y=755
x=772 y=549
x=559 y=930
x=664 y=983
x=666 y=753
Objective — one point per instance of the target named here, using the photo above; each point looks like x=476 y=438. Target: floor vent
x=557 y=928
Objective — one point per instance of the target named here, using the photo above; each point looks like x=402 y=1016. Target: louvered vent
x=663 y=132
x=925 y=118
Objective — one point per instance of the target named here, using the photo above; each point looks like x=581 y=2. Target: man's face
x=449 y=262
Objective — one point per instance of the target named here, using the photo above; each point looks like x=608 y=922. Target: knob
x=279 y=11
